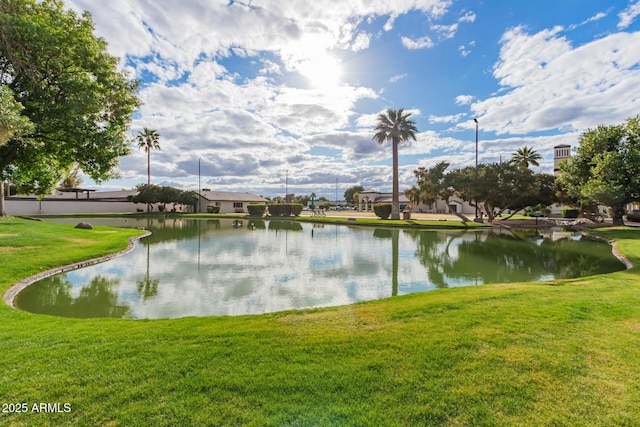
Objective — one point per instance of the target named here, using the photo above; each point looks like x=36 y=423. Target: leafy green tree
x=148 y=140
x=501 y=187
x=12 y=125
x=163 y=195
x=431 y=185
x=397 y=127
x=71 y=91
x=71 y=179
x=351 y=191
x=526 y=156
x=606 y=167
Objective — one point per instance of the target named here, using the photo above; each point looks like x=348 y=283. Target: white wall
x=28 y=207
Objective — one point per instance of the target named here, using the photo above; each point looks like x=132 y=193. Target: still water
x=211 y=268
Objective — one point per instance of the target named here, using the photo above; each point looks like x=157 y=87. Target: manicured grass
x=565 y=352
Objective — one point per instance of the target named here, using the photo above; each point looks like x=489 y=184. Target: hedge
x=256 y=209
x=570 y=212
x=285 y=209
x=383 y=210
x=213 y=209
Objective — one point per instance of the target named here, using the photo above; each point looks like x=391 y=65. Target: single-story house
x=227 y=201
x=368 y=198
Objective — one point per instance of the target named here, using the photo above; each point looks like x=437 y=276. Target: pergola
x=76 y=190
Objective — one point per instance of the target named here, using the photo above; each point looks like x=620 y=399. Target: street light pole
x=286 y=186
x=477 y=219
x=199 y=186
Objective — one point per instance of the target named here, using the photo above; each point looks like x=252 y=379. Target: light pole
x=286 y=186
x=477 y=219
x=199 y=185
x=336 y=192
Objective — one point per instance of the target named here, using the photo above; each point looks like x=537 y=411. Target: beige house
x=227 y=201
x=368 y=198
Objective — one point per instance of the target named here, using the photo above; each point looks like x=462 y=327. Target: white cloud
x=463 y=51
x=446 y=31
x=468 y=17
x=397 y=77
x=420 y=43
x=454 y=118
x=543 y=89
x=628 y=15
x=464 y=99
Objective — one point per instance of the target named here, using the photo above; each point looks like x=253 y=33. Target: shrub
x=285 y=209
x=383 y=210
x=570 y=212
x=296 y=208
x=213 y=209
x=256 y=209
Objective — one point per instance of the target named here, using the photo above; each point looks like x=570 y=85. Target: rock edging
x=11 y=293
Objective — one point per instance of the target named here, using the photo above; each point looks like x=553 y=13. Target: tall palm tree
x=148 y=140
x=525 y=156
x=395 y=126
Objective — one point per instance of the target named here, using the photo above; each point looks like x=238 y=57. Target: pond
x=203 y=267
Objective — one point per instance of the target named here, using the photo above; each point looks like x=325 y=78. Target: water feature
x=191 y=267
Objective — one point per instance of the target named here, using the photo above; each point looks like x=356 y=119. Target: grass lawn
x=565 y=352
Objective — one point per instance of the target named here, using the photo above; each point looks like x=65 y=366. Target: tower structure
x=560 y=154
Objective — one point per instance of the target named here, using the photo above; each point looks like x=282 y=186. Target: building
x=78 y=200
x=368 y=198
x=227 y=201
x=560 y=154
x=74 y=200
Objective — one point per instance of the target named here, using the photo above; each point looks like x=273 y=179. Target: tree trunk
x=617 y=213
x=148 y=173
x=395 y=199
x=2 y=211
x=488 y=209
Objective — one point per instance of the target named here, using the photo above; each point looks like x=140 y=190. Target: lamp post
x=199 y=186
x=476 y=120
x=286 y=186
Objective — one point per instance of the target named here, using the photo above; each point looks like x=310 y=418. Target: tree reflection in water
x=54 y=296
x=208 y=267
x=503 y=257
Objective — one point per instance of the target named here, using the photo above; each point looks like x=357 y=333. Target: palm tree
x=525 y=156
x=148 y=140
x=395 y=126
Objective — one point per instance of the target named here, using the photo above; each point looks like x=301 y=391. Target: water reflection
x=210 y=267
x=96 y=299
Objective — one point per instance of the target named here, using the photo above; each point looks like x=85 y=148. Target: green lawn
x=556 y=353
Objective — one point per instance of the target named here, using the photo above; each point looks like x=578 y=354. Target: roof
x=401 y=198
x=231 y=196
x=383 y=197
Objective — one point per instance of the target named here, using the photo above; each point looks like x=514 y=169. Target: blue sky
x=256 y=91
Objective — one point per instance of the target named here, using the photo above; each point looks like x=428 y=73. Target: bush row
x=256 y=209
x=285 y=209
